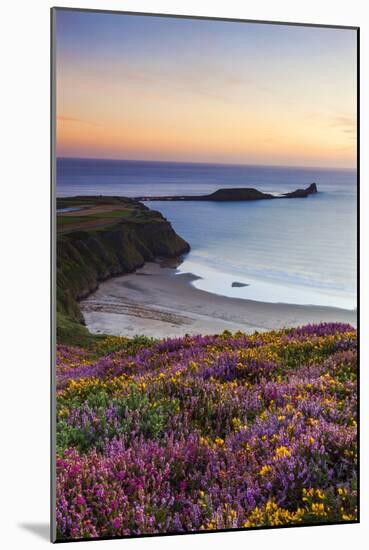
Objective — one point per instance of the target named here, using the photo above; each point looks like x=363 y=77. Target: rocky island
x=235 y=194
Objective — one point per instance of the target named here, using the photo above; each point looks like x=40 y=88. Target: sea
x=297 y=251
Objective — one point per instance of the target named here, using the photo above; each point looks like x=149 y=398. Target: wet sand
x=156 y=301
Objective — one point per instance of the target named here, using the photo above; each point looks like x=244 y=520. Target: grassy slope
x=108 y=236
x=207 y=432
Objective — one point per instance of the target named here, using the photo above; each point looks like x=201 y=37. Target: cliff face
x=92 y=253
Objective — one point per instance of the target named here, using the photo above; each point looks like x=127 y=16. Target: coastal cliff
x=102 y=237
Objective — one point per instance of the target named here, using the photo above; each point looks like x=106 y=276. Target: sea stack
x=301 y=193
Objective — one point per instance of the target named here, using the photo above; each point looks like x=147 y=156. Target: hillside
x=99 y=238
x=207 y=432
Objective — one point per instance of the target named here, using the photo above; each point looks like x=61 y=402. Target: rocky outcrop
x=302 y=193
x=235 y=194
x=238 y=194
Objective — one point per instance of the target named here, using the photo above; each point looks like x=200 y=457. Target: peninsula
x=235 y=194
x=100 y=237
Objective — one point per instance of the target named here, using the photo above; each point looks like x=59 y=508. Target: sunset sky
x=155 y=88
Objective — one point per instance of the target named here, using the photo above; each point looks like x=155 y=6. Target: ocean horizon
x=300 y=251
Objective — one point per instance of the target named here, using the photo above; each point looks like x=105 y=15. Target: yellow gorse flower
x=282 y=452
x=265 y=470
x=272 y=514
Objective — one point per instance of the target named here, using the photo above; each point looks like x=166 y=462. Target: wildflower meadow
x=207 y=432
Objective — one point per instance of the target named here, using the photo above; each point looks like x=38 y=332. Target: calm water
x=299 y=251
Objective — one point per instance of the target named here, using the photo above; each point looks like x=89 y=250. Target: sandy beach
x=156 y=301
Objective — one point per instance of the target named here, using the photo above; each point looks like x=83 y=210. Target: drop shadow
x=41 y=530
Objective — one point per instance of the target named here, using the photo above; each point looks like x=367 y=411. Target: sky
x=159 y=88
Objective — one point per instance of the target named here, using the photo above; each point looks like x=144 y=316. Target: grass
x=74 y=333
x=104 y=218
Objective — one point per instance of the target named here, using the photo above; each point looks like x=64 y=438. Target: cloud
x=75 y=120
x=345 y=123
x=138 y=76
x=212 y=82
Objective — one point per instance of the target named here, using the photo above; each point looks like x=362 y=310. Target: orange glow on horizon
x=249 y=143
x=244 y=103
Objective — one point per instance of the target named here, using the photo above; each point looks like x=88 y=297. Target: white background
x=24 y=255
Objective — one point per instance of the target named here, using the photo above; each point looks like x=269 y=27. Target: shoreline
x=156 y=301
